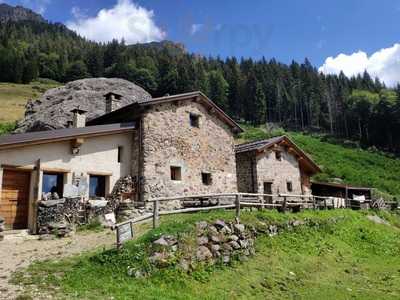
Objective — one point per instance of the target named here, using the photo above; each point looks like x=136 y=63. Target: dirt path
x=20 y=252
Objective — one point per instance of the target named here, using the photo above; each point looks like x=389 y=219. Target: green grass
x=6 y=128
x=351 y=164
x=354 y=165
x=13 y=98
x=94 y=226
x=351 y=258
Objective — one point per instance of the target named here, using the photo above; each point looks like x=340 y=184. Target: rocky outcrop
x=53 y=109
x=10 y=13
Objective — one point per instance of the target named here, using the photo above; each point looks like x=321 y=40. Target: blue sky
x=284 y=29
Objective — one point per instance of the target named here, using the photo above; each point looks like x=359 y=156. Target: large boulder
x=53 y=109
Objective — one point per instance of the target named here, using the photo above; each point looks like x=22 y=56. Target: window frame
x=278 y=155
x=289 y=186
x=194 y=120
x=103 y=183
x=206 y=178
x=175 y=173
x=120 y=154
x=59 y=183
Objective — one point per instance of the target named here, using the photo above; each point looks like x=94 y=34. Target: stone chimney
x=112 y=102
x=79 y=118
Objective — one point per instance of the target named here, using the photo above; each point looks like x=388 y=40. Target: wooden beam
x=78 y=142
x=99 y=173
x=291 y=150
x=36 y=195
x=197 y=99
x=55 y=170
x=16 y=167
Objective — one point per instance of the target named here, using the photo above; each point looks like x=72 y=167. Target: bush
x=260 y=133
x=6 y=128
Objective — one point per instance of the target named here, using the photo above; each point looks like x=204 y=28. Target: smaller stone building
x=274 y=166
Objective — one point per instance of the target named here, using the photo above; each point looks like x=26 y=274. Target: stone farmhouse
x=274 y=166
x=173 y=145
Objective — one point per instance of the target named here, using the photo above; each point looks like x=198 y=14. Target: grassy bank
x=351 y=164
x=348 y=258
x=13 y=98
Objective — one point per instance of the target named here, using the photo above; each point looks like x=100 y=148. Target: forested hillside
x=296 y=96
x=341 y=160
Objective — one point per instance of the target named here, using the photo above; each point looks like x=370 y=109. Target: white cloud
x=125 y=20
x=384 y=64
x=196 y=28
x=78 y=13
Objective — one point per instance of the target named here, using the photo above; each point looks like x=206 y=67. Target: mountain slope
x=296 y=96
x=13 y=98
x=10 y=13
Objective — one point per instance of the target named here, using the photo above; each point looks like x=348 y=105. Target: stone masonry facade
x=246 y=172
x=255 y=169
x=279 y=172
x=170 y=141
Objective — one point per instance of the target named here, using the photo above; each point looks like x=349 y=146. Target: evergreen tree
x=30 y=71
x=77 y=70
x=218 y=89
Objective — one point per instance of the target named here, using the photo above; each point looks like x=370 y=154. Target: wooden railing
x=236 y=201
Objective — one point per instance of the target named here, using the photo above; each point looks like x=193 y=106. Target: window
x=176 y=173
x=97 y=186
x=194 y=120
x=289 y=186
x=278 y=155
x=120 y=151
x=206 y=178
x=53 y=183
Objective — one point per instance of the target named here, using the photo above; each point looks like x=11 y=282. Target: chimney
x=79 y=118
x=112 y=102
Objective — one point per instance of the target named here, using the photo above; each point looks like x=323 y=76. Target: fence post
x=155 y=213
x=262 y=203
x=314 y=203
x=237 y=204
x=284 y=204
x=326 y=207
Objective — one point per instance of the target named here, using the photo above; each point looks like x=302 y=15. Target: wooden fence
x=282 y=202
x=235 y=201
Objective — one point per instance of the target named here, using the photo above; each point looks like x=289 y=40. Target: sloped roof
x=257 y=145
x=340 y=185
x=261 y=145
x=43 y=137
x=135 y=107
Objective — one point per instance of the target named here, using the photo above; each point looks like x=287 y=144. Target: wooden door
x=268 y=190
x=14 y=201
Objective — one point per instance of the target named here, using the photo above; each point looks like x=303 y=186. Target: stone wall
x=170 y=140
x=246 y=172
x=279 y=172
x=59 y=217
x=135 y=162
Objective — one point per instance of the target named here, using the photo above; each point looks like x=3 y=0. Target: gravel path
x=20 y=252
